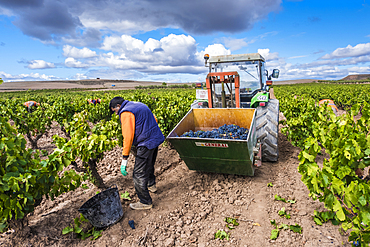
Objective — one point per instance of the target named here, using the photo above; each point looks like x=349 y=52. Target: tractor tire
x=267 y=129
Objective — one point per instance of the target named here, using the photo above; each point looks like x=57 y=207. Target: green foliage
x=296 y=228
x=322 y=217
x=270 y=185
x=346 y=142
x=163 y=86
x=33 y=125
x=274 y=234
x=278 y=227
x=231 y=222
x=336 y=183
x=171 y=108
x=301 y=114
x=221 y=234
x=27 y=175
x=3 y=225
x=88 y=143
x=283 y=213
x=126 y=196
x=25 y=178
x=84 y=186
x=80 y=228
x=279 y=198
x=344 y=96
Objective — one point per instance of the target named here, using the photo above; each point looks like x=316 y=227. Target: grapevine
x=316 y=130
x=25 y=178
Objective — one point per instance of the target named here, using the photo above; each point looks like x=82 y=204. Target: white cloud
x=359 y=70
x=291 y=72
x=118 y=62
x=177 y=55
x=69 y=51
x=349 y=51
x=79 y=76
x=125 y=56
x=173 y=49
x=115 y=74
x=267 y=55
x=171 y=54
x=294 y=57
x=73 y=63
x=179 y=69
x=121 y=44
x=26 y=77
x=180 y=49
x=215 y=50
x=235 y=44
x=342 y=62
x=40 y=64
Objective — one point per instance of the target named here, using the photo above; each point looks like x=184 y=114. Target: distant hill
x=356 y=77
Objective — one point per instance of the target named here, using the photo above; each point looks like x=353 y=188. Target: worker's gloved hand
x=123 y=167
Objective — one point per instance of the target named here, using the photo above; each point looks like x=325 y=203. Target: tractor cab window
x=249 y=73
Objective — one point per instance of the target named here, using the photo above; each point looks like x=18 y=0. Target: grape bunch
x=231 y=131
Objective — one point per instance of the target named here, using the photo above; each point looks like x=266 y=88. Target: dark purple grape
x=231 y=131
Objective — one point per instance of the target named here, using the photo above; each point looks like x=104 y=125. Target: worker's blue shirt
x=147 y=132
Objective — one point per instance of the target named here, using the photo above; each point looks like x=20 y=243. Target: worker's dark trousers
x=143 y=174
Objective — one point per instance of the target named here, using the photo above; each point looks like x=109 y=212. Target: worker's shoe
x=152 y=188
x=140 y=206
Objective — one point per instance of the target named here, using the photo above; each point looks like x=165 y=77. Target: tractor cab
x=237 y=81
x=241 y=81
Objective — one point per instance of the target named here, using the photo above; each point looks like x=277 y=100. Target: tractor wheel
x=267 y=129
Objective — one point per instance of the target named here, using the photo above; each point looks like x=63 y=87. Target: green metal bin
x=217 y=155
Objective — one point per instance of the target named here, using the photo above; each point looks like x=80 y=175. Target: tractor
x=241 y=81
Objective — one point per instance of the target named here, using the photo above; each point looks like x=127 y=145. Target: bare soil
x=189 y=207
x=100 y=84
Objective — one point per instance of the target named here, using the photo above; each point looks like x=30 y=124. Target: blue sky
x=162 y=40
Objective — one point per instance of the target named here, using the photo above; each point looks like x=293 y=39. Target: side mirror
x=275 y=73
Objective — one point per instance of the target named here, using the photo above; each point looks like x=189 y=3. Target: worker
x=94 y=101
x=139 y=128
x=31 y=105
x=330 y=103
